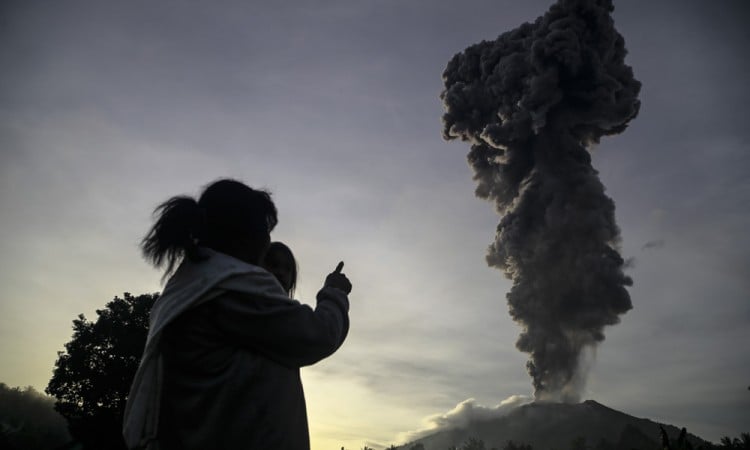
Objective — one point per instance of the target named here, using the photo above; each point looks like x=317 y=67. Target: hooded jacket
x=220 y=369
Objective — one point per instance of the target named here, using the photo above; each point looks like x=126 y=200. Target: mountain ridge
x=549 y=425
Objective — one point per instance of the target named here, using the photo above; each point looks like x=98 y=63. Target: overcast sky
x=108 y=108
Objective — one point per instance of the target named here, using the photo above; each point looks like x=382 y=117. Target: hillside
x=556 y=426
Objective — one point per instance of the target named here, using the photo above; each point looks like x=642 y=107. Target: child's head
x=280 y=262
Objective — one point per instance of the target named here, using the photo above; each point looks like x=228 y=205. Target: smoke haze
x=466 y=412
x=531 y=103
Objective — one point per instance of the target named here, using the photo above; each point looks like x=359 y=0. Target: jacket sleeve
x=284 y=330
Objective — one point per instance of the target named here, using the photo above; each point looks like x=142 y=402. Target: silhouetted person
x=221 y=365
x=280 y=261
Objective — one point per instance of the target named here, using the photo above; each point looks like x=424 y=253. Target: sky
x=108 y=108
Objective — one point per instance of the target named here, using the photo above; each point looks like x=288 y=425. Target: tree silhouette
x=681 y=443
x=28 y=420
x=473 y=444
x=92 y=376
x=513 y=446
x=741 y=443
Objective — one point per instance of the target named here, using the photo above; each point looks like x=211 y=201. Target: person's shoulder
x=258 y=299
x=255 y=283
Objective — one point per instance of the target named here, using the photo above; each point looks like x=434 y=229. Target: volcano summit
x=549 y=425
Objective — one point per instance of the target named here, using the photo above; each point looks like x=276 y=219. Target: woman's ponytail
x=174 y=235
x=229 y=217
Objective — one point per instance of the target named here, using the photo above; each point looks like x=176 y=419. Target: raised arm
x=284 y=330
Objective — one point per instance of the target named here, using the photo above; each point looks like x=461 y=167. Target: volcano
x=548 y=425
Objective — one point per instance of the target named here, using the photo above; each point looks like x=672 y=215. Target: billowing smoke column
x=530 y=103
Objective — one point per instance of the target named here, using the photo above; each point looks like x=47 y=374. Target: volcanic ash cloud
x=530 y=103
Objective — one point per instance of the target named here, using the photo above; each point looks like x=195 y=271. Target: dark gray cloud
x=530 y=103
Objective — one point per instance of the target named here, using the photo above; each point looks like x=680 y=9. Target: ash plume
x=530 y=103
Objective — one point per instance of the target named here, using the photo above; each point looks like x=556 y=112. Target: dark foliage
x=740 y=443
x=92 y=376
x=681 y=443
x=473 y=444
x=28 y=420
x=513 y=446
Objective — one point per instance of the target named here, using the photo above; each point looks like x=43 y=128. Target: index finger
x=339 y=267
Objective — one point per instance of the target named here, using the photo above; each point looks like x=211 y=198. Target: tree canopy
x=28 y=420
x=92 y=377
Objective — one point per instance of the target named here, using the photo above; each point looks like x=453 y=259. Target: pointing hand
x=338 y=280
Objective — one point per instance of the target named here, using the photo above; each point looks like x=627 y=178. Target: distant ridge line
x=550 y=425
